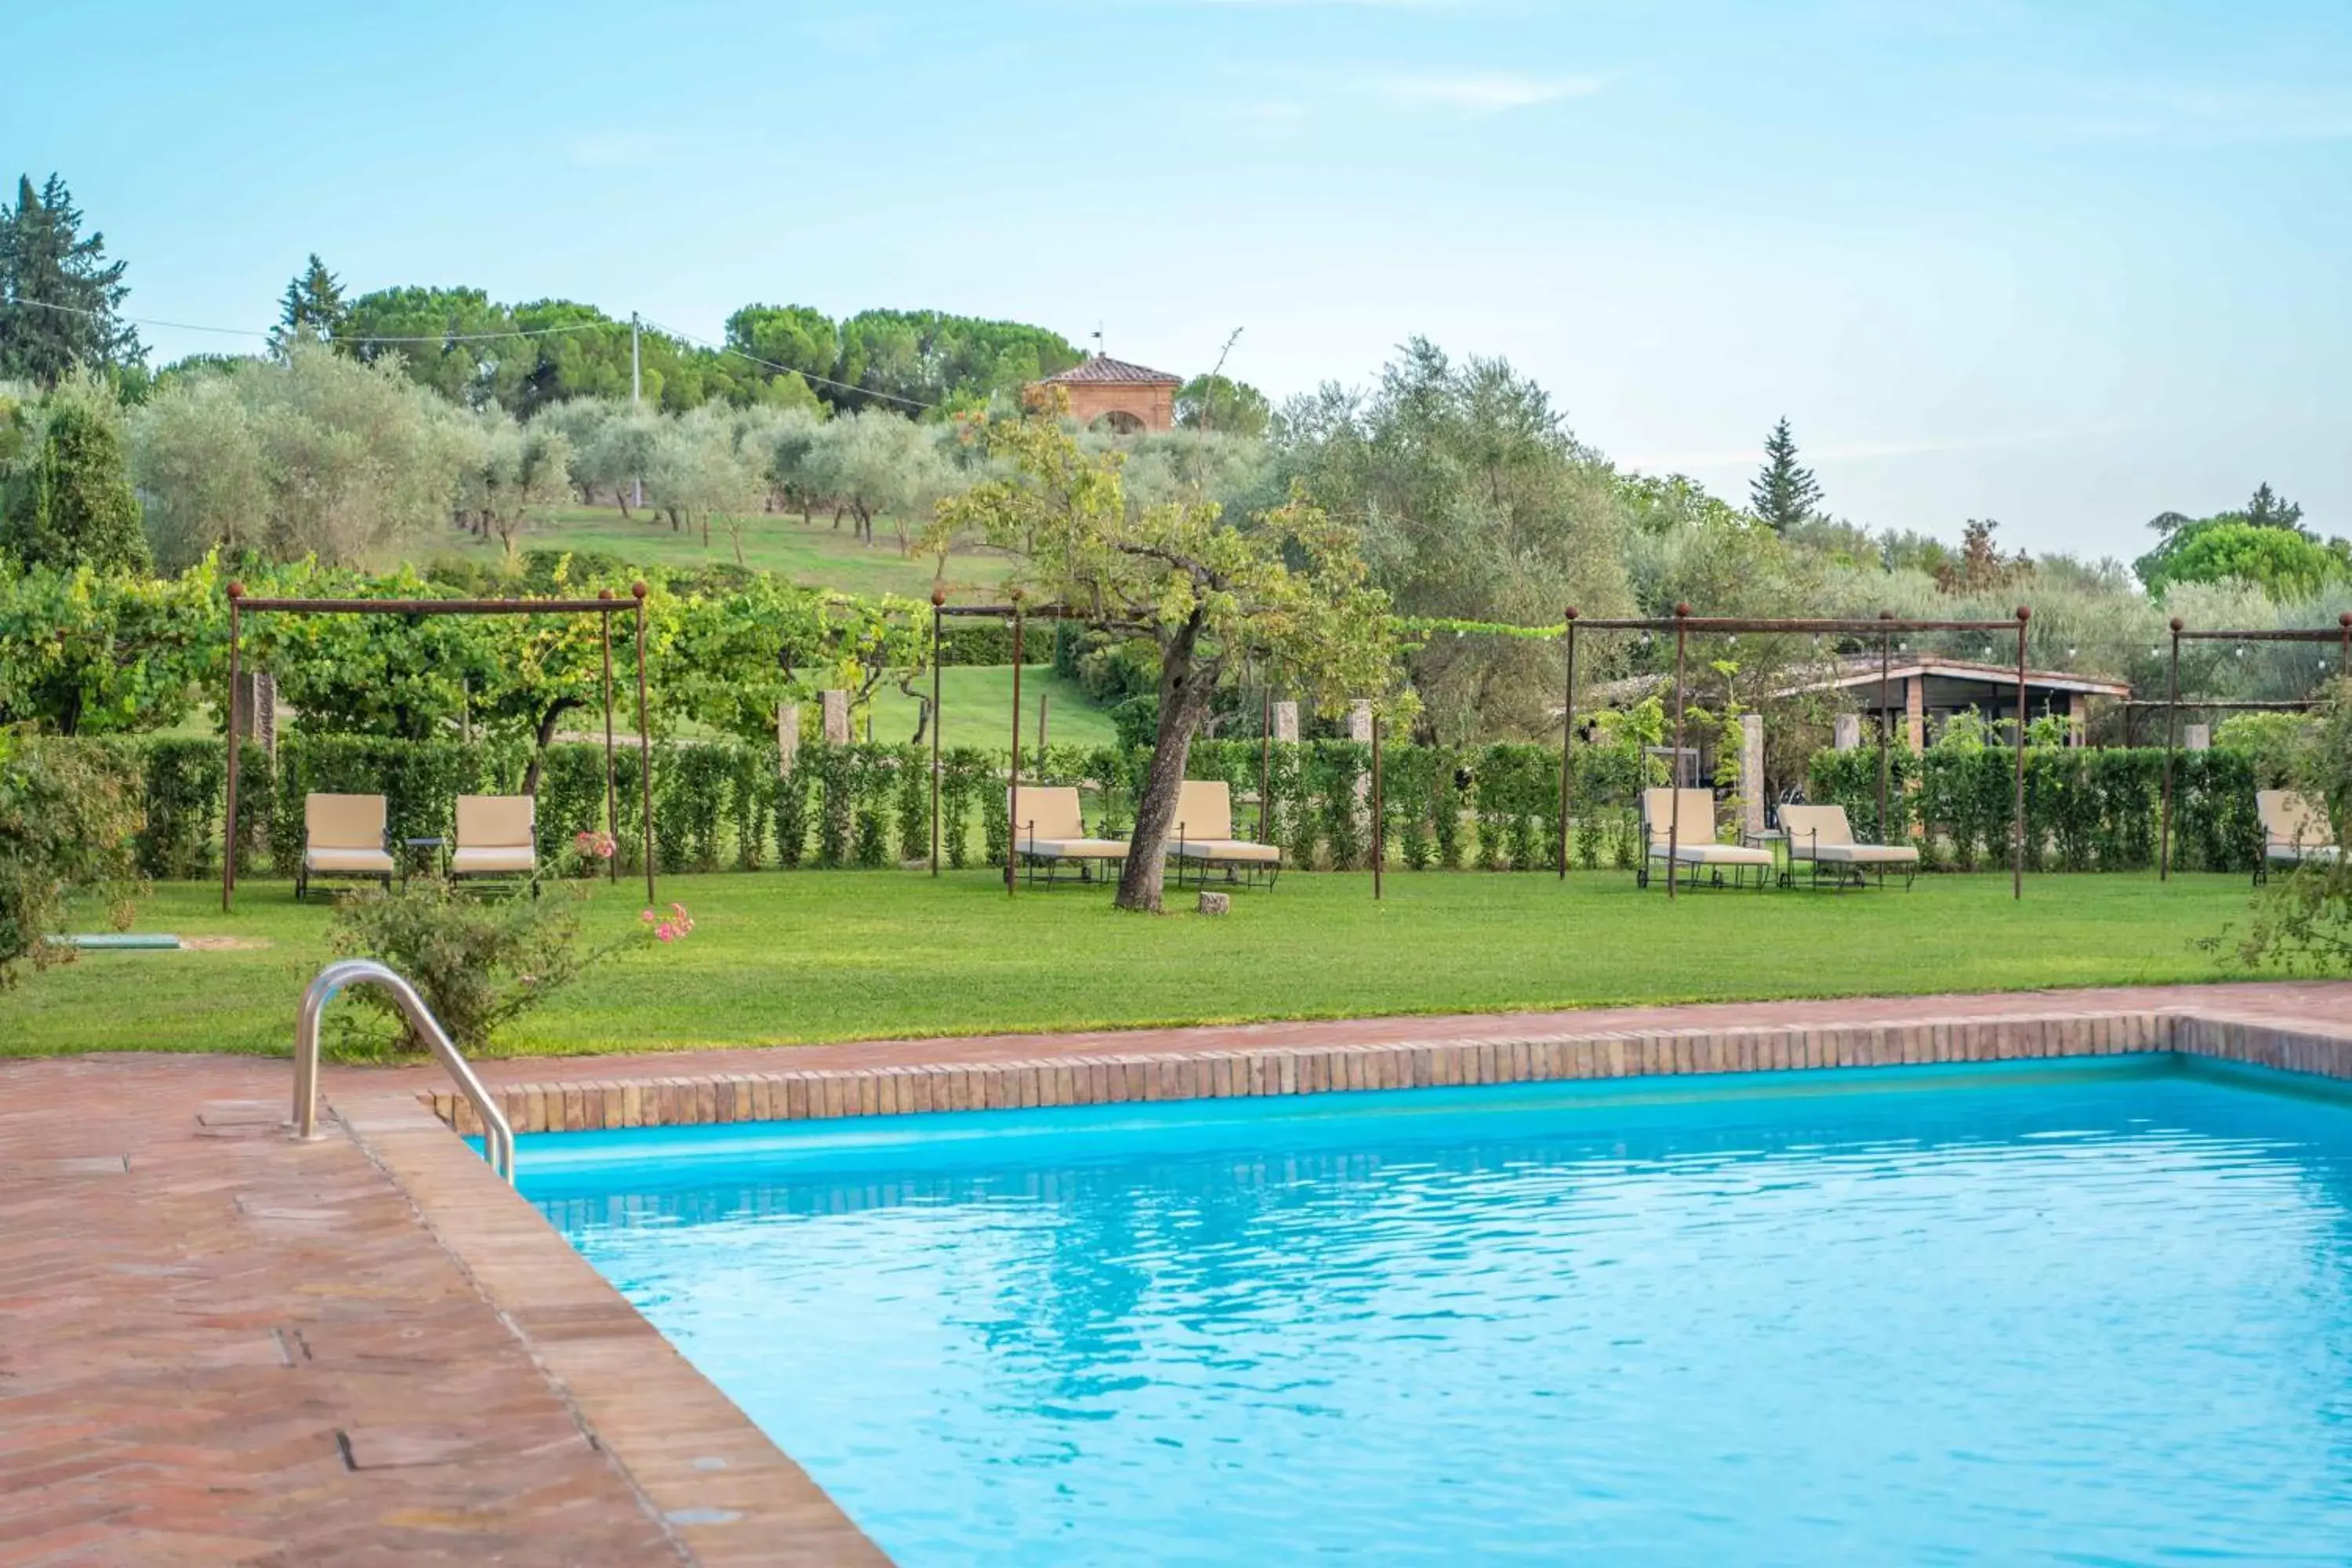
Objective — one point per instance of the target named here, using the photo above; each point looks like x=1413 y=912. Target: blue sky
x=2062 y=265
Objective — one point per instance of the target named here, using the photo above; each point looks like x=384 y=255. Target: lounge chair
x=1821 y=836
x=1051 y=832
x=1690 y=846
x=343 y=837
x=2294 y=832
x=1204 y=836
x=498 y=836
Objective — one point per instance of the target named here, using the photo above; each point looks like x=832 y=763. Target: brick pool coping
x=571 y=1103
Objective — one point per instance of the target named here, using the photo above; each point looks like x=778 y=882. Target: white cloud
x=1482 y=92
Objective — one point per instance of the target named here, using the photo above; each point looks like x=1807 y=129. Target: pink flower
x=647 y=916
x=665 y=931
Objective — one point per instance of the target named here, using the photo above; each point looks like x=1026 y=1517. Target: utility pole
x=1209 y=398
x=637 y=484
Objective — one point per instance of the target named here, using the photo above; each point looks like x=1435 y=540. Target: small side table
x=413 y=845
x=1766 y=841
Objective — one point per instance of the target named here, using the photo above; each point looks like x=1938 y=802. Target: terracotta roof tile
x=1102 y=368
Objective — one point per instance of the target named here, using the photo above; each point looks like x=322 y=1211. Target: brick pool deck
x=221 y=1346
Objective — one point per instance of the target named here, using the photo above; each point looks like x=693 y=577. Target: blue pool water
x=2065 y=1314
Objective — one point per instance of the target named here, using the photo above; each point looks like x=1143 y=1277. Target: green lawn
x=809 y=956
x=815 y=553
x=978 y=701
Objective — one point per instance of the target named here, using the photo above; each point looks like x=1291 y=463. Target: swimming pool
x=2050 y=1311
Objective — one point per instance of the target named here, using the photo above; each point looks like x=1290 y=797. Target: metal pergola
x=605 y=605
x=2339 y=634
x=1885 y=628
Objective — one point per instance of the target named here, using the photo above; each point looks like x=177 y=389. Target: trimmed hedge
x=1495 y=807
x=2086 y=809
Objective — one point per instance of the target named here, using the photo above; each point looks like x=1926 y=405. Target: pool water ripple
x=2067 y=1316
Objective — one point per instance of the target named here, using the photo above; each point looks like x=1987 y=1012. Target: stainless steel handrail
x=498 y=1137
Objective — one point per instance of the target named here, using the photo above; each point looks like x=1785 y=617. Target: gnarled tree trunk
x=1183 y=703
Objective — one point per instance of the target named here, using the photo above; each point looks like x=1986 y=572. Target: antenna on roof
x=1098 y=341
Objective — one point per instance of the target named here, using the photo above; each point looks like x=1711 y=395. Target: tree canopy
x=1785 y=494
x=2263 y=542
x=61 y=299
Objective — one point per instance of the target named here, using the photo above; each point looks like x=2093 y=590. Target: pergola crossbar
x=605 y=605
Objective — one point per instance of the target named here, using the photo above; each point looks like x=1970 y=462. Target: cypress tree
x=1784 y=492
x=70 y=502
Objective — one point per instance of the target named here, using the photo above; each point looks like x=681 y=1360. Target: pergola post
x=1567 y=738
x=2016 y=828
x=938 y=599
x=1380 y=835
x=644 y=743
x=2171 y=743
x=612 y=794
x=1885 y=720
x=1266 y=759
x=1674 y=759
x=229 y=834
x=1013 y=783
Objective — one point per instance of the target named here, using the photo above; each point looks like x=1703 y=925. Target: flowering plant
x=672 y=927
x=595 y=844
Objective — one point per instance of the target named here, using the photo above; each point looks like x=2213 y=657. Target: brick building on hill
x=1126 y=398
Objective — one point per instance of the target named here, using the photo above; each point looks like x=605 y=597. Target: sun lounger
x=1821 y=836
x=342 y=836
x=1204 y=836
x=498 y=836
x=1051 y=833
x=1680 y=826
x=2294 y=832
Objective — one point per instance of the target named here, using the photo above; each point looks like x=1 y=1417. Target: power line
x=250 y=332
x=789 y=370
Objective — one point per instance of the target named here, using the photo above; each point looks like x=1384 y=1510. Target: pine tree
x=44 y=258
x=312 y=308
x=69 y=501
x=1784 y=493
x=2271 y=509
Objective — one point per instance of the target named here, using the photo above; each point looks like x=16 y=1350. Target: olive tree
x=1287 y=586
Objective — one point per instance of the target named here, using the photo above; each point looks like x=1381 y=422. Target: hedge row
x=1493 y=807
x=2086 y=809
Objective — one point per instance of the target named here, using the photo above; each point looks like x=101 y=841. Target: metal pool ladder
x=498 y=1137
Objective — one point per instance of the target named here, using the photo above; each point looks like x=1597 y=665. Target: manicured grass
x=978 y=701
x=810 y=956
x=815 y=553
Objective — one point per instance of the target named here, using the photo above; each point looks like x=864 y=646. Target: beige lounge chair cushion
x=496 y=822
x=493 y=861
x=2294 y=828
x=1713 y=855
x=1693 y=809
x=1048 y=812
x=344 y=821
x=1862 y=855
x=1822 y=833
x=1204 y=810
x=1235 y=849
x=364 y=862
x=1075 y=849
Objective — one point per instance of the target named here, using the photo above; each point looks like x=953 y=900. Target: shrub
x=66 y=815
x=478 y=962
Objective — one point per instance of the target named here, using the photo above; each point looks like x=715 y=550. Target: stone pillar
x=1849 y=733
x=2197 y=737
x=1914 y=712
x=1359 y=730
x=2078 y=719
x=257 y=702
x=1285 y=720
x=1751 y=772
x=1360 y=722
x=788 y=736
x=836 y=716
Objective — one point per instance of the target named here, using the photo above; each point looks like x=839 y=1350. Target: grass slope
x=810 y=956
x=978 y=701
x=814 y=554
